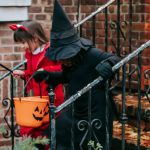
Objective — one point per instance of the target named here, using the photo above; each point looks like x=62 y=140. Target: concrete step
x=132 y=109
x=130 y=137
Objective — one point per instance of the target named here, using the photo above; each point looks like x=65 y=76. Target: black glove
x=105 y=70
x=39 y=76
x=53 y=79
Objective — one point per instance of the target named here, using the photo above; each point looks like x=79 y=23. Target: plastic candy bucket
x=30 y=111
x=46 y=114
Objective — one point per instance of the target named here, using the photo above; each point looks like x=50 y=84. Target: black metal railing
x=11 y=128
x=114 y=26
x=87 y=88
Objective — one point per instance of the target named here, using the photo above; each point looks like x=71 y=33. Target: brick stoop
x=131 y=110
x=130 y=137
x=130 y=127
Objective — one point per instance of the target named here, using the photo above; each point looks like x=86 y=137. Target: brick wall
x=41 y=10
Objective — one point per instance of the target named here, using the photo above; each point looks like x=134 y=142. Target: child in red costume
x=32 y=37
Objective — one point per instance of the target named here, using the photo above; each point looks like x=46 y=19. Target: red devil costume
x=87 y=63
x=35 y=62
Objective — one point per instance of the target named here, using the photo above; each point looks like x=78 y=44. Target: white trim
x=13 y=13
x=15 y=2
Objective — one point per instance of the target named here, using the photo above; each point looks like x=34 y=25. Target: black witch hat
x=65 y=42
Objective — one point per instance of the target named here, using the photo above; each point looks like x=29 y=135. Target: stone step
x=130 y=137
x=132 y=109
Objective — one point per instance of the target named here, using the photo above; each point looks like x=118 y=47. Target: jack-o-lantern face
x=46 y=110
x=38 y=113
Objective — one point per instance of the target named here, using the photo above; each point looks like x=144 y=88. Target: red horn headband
x=15 y=27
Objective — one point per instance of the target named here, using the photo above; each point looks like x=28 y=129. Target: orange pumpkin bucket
x=46 y=114
x=46 y=110
x=30 y=111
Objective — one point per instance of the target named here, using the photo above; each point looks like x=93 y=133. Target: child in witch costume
x=32 y=37
x=81 y=64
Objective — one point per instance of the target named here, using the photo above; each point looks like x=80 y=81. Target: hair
x=34 y=30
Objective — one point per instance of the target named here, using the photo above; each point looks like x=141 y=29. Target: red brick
x=48 y=9
x=100 y=40
x=100 y=17
x=70 y=9
x=139 y=8
x=12 y=57
x=93 y=2
x=6 y=33
x=121 y=17
x=66 y=2
x=40 y=17
x=145 y=35
x=34 y=2
x=146 y=2
x=124 y=9
x=18 y=49
x=147 y=9
x=146 y=52
x=6 y=50
x=87 y=2
x=35 y=9
x=147 y=27
x=44 y=2
x=87 y=9
x=49 y=2
x=7 y=41
x=135 y=17
x=136 y=1
x=111 y=9
x=145 y=61
x=138 y=26
x=146 y=17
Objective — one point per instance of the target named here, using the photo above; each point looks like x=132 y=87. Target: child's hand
x=18 y=74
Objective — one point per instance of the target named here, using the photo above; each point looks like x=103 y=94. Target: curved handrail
x=94 y=13
x=16 y=67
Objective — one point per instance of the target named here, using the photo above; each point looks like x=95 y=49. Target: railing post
x=52 y=129
x=130 y=40
x=93 y=29
x=118 y=27
x=107 y=146
x=12 y=113
x=89 y=117
x=123 y=117
x=139 y=104
x=106 y=29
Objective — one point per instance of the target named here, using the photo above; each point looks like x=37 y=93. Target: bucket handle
x=23 y=91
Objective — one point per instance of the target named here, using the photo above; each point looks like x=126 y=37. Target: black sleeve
x=103 y=62
x=97 y=56
x=101 y=56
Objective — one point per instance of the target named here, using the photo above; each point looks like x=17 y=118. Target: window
x=14 y=10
